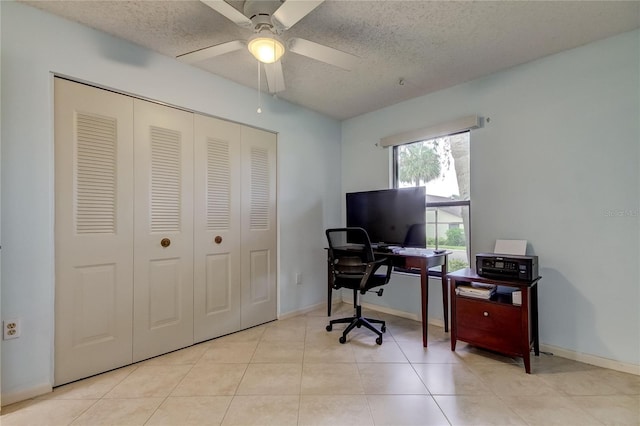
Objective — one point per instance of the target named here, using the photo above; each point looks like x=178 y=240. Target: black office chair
x=352 y=265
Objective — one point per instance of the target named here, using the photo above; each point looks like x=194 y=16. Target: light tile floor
x=294 y=372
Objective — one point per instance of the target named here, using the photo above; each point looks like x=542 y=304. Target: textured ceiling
x=432 y=45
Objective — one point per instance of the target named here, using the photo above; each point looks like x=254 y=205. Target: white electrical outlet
x=11 y=329
x=298 y=278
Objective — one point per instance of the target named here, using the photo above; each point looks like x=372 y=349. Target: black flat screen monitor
x=390 y=216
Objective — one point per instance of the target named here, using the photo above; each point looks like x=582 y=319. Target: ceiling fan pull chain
x=259 y=91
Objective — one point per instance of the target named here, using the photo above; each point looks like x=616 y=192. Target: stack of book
x=477 y=290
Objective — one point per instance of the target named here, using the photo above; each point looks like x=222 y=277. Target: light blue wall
x=35 y=45
x=556 y=165
x=559 y=156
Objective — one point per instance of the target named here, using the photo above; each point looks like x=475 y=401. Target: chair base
x=358 y=321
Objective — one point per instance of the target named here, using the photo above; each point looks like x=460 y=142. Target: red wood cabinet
x=496 y=324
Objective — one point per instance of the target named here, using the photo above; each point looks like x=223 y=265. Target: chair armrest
x=389 y=269
x=373 y=267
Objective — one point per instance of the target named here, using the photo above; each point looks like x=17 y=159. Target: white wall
x=35 y=45
x=556 y=165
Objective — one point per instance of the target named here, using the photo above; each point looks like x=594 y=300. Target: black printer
x=507 y=266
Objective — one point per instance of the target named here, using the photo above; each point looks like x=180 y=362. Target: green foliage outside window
x=420 y=162
x=455 y=264
x=431 y=241
x=455 y=237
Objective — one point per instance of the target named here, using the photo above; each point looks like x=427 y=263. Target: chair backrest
x=349 y=248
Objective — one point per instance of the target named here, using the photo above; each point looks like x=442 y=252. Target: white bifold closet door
x=258 y=230
x=217 y=188
x=235 y=227
x=165 y=229
x=93 y=231
x=163 y=243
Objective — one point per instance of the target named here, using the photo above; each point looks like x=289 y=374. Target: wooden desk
x=496 y=324
x=419 y=263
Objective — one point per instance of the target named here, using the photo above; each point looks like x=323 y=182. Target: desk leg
x=445 y=292
x=454 y=336
x=526 y=341
x=424 y=293
x=534 y=319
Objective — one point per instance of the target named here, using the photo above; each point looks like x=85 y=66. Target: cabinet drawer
x=412 y=263
x=487 y=315
x=489 y=324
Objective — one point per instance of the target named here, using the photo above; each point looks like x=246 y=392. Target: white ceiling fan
x=269 y=20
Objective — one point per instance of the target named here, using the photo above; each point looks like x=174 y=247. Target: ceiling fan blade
x=292 y=11
x=322 y=53
x=210 y=52
x=229 y=12
x=275 y=77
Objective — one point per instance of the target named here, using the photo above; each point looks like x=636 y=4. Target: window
x=442 y=166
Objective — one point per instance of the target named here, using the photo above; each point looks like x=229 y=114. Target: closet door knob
x=165 y=242
x=218 y=239
x=485 y=313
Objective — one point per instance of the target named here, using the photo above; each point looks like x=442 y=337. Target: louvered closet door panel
x=93 y=230
x=163 y=275
x=259 y=297
x=217 y=228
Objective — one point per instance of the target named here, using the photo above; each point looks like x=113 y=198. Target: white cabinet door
x=163 y=243
x=217 y=228
x=259 y=250
x=93 y=230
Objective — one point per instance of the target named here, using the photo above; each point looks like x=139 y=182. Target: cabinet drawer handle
x=218 y=239
x=165 y=242
x=485 y=313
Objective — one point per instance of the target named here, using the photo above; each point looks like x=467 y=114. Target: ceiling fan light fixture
x=266 y=48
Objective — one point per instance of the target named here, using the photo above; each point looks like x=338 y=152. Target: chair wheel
x=329 y=327
x=359 y=325
x=379 y=340
x=342 y=340
x=383 y=328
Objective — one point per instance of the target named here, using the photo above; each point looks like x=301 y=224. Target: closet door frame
x=208 y=281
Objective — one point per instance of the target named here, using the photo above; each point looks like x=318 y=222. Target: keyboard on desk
x=407 y=251
x=416 y=251
x=382 y=247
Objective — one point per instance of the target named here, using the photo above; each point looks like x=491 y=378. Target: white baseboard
x=592 y=359
x=438 y=322
x=306 y=310
x=13 y=397
x=556 y=350
x=386 y=310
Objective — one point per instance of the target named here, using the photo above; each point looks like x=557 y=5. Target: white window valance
x=443 y=129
